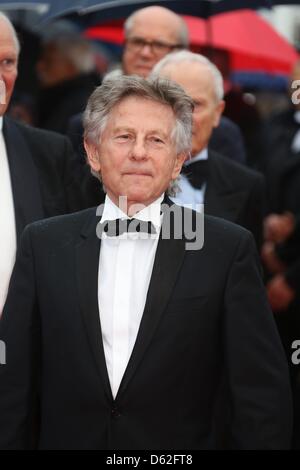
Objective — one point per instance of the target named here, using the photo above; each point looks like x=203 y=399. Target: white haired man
x=39 y=176
x=227 y=189
x=114 y=337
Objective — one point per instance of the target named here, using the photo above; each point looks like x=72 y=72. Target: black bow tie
x=196 y=172
x=114 y=228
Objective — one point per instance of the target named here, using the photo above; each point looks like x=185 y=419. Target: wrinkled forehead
x=155 y=26
x=146 y=105
x=141 y=113
x=195 y=78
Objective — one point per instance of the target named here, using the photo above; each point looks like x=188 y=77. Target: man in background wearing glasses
x=150 y=34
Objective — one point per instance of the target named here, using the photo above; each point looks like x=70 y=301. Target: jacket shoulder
x=235 y=169
x=221 y=228
x=62 y=227
x=37 y=135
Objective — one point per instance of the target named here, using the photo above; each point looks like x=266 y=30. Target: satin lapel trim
x=24 y=178
x=87 y=262
x=168 y=261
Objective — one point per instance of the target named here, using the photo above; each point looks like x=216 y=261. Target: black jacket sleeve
x=261 y=410
x=20 y=333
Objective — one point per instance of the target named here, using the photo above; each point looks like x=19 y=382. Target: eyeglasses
x=157 y=47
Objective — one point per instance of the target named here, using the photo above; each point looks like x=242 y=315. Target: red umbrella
x=253 y=43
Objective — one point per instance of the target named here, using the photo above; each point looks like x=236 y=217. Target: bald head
x=202 y=81
x=175 y=25
x=151 y=33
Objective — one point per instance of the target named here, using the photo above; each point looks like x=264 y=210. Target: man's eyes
x=123 y=137
x=8 y=63
x=198 y=104
x=156 y=140
x=128 y=137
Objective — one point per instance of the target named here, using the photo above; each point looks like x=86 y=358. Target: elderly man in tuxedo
x=39 y=176
x=116 y=327
x=226 y=188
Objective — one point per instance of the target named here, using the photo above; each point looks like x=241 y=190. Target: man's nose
x=146 y=50
x=139 y=150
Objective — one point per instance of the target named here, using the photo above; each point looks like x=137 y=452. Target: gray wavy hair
x=116 y=87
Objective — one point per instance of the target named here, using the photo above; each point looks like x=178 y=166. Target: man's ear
x=92 y=155
x=180 y=158
x=219 y=111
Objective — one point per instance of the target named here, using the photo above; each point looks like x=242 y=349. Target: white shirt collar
x=149 y=213
x=203 y=155
x=1 y=123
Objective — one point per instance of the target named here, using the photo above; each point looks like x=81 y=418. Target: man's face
x=136 y=156
x=197 y=81
x=139 y=58
x=8 y=65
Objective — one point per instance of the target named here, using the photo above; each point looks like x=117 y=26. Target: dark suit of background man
x=227 y=189
x=281 y=250
x=38 y=175
x=122 y=341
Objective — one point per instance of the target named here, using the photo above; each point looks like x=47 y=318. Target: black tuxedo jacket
x=283 y=182
x=46 y=177
x=206 y=314
x=228 y=140
x=235 y=193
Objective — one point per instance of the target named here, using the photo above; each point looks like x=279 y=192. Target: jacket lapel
x=24 y=177
x=221 y=199
x=168 y=260
x=87 y=262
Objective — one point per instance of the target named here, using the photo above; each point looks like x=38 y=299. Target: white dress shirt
x=189 y=196
x=8 y=237
x=125 y=269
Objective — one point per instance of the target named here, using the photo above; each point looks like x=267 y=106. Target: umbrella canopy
x=95 y=11
x=252 y=43
x=91 y=12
